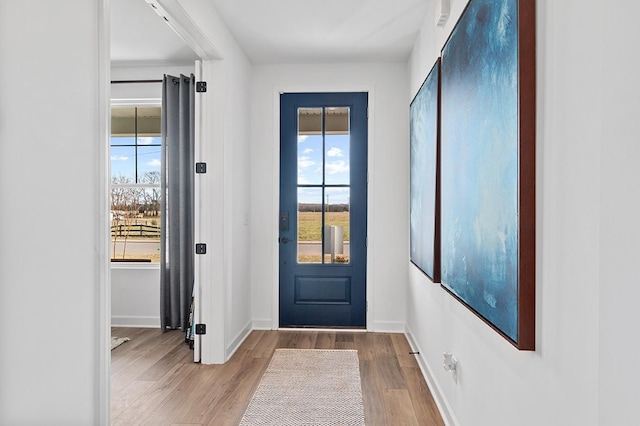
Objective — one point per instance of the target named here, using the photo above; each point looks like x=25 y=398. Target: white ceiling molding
x=443 y=9
x=179 y=21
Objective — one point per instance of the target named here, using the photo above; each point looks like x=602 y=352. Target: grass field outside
x=310 y=224
x=310 y=230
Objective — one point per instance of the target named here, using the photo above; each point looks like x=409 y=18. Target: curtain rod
x=135 y=81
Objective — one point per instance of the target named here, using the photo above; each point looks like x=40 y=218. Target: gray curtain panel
x=177 y=240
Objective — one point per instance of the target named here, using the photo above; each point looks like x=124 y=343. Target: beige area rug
x=117 y=341
x=308 y=387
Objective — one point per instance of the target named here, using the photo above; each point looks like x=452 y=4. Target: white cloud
x=335 y=152
x=146 y=141
x=154 y=163
x=337 y=167
x=307 y=151
x=119 y=158
x=301 y=179
x=305 y=162
x=302 y=138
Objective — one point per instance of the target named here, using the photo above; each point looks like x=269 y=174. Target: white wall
x=619 y=213
x=52 y=159
x=388 y=181
x=581 y=221
x=225 y=188
x=135 y=295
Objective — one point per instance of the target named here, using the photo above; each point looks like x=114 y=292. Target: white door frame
x=275 y=205
x=185 y=27
x=102 y=223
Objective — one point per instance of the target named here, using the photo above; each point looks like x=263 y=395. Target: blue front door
x=323 y=209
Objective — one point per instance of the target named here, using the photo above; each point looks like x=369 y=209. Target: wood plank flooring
x=155 y=382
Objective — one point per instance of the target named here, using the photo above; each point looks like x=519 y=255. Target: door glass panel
x=310 y=146
x=336 y=225
x=337 y=146
x=309 y=225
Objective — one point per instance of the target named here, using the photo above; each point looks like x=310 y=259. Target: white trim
x=197 y=207
x=135 y=321
x=134 y=265
x=137 y=185
x=275 y=323
x=238 y=340
x=388 y=327
x=438 y=395
x=136 y=102
x=102 y=225
x=212 y=216
x=370 y=210
x=264 y=324
x=180 y=22
x=325 y=330
x=275 y=207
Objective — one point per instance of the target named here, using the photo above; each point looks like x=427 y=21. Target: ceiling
x=308 y=31
x=140 y=37
x=278 y=31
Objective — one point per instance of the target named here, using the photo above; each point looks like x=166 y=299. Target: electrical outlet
x=450 y=364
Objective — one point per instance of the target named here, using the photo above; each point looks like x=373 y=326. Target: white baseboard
x=442 y=403
x=235 y=343
x=378 y=326
x=388 y=327
x=263 y=324
x=135 y=321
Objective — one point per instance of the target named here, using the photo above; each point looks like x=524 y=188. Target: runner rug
x=308 y=387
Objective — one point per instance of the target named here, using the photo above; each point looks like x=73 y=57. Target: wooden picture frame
x=488 y=163
x=424 y=176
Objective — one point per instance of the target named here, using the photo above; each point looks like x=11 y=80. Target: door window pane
x=310 y=156
x=336 y=221
x=337 y=146
x=309 y=225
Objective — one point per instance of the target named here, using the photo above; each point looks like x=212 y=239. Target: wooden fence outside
x=137 y=230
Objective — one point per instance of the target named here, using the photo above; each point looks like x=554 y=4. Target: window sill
x=135 y=265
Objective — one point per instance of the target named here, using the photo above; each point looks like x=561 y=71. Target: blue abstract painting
x=480 y=143
x=424 y=138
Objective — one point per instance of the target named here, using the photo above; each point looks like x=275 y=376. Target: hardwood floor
x=155 y=382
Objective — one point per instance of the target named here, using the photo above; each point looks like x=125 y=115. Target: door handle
x=283 y=240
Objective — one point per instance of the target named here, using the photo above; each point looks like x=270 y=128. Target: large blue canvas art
x=481 y=142
x=424 y=151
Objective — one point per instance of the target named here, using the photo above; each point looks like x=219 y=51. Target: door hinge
x=201 y=167
x=201 y=248
x=201 y=86
x=201 y=329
